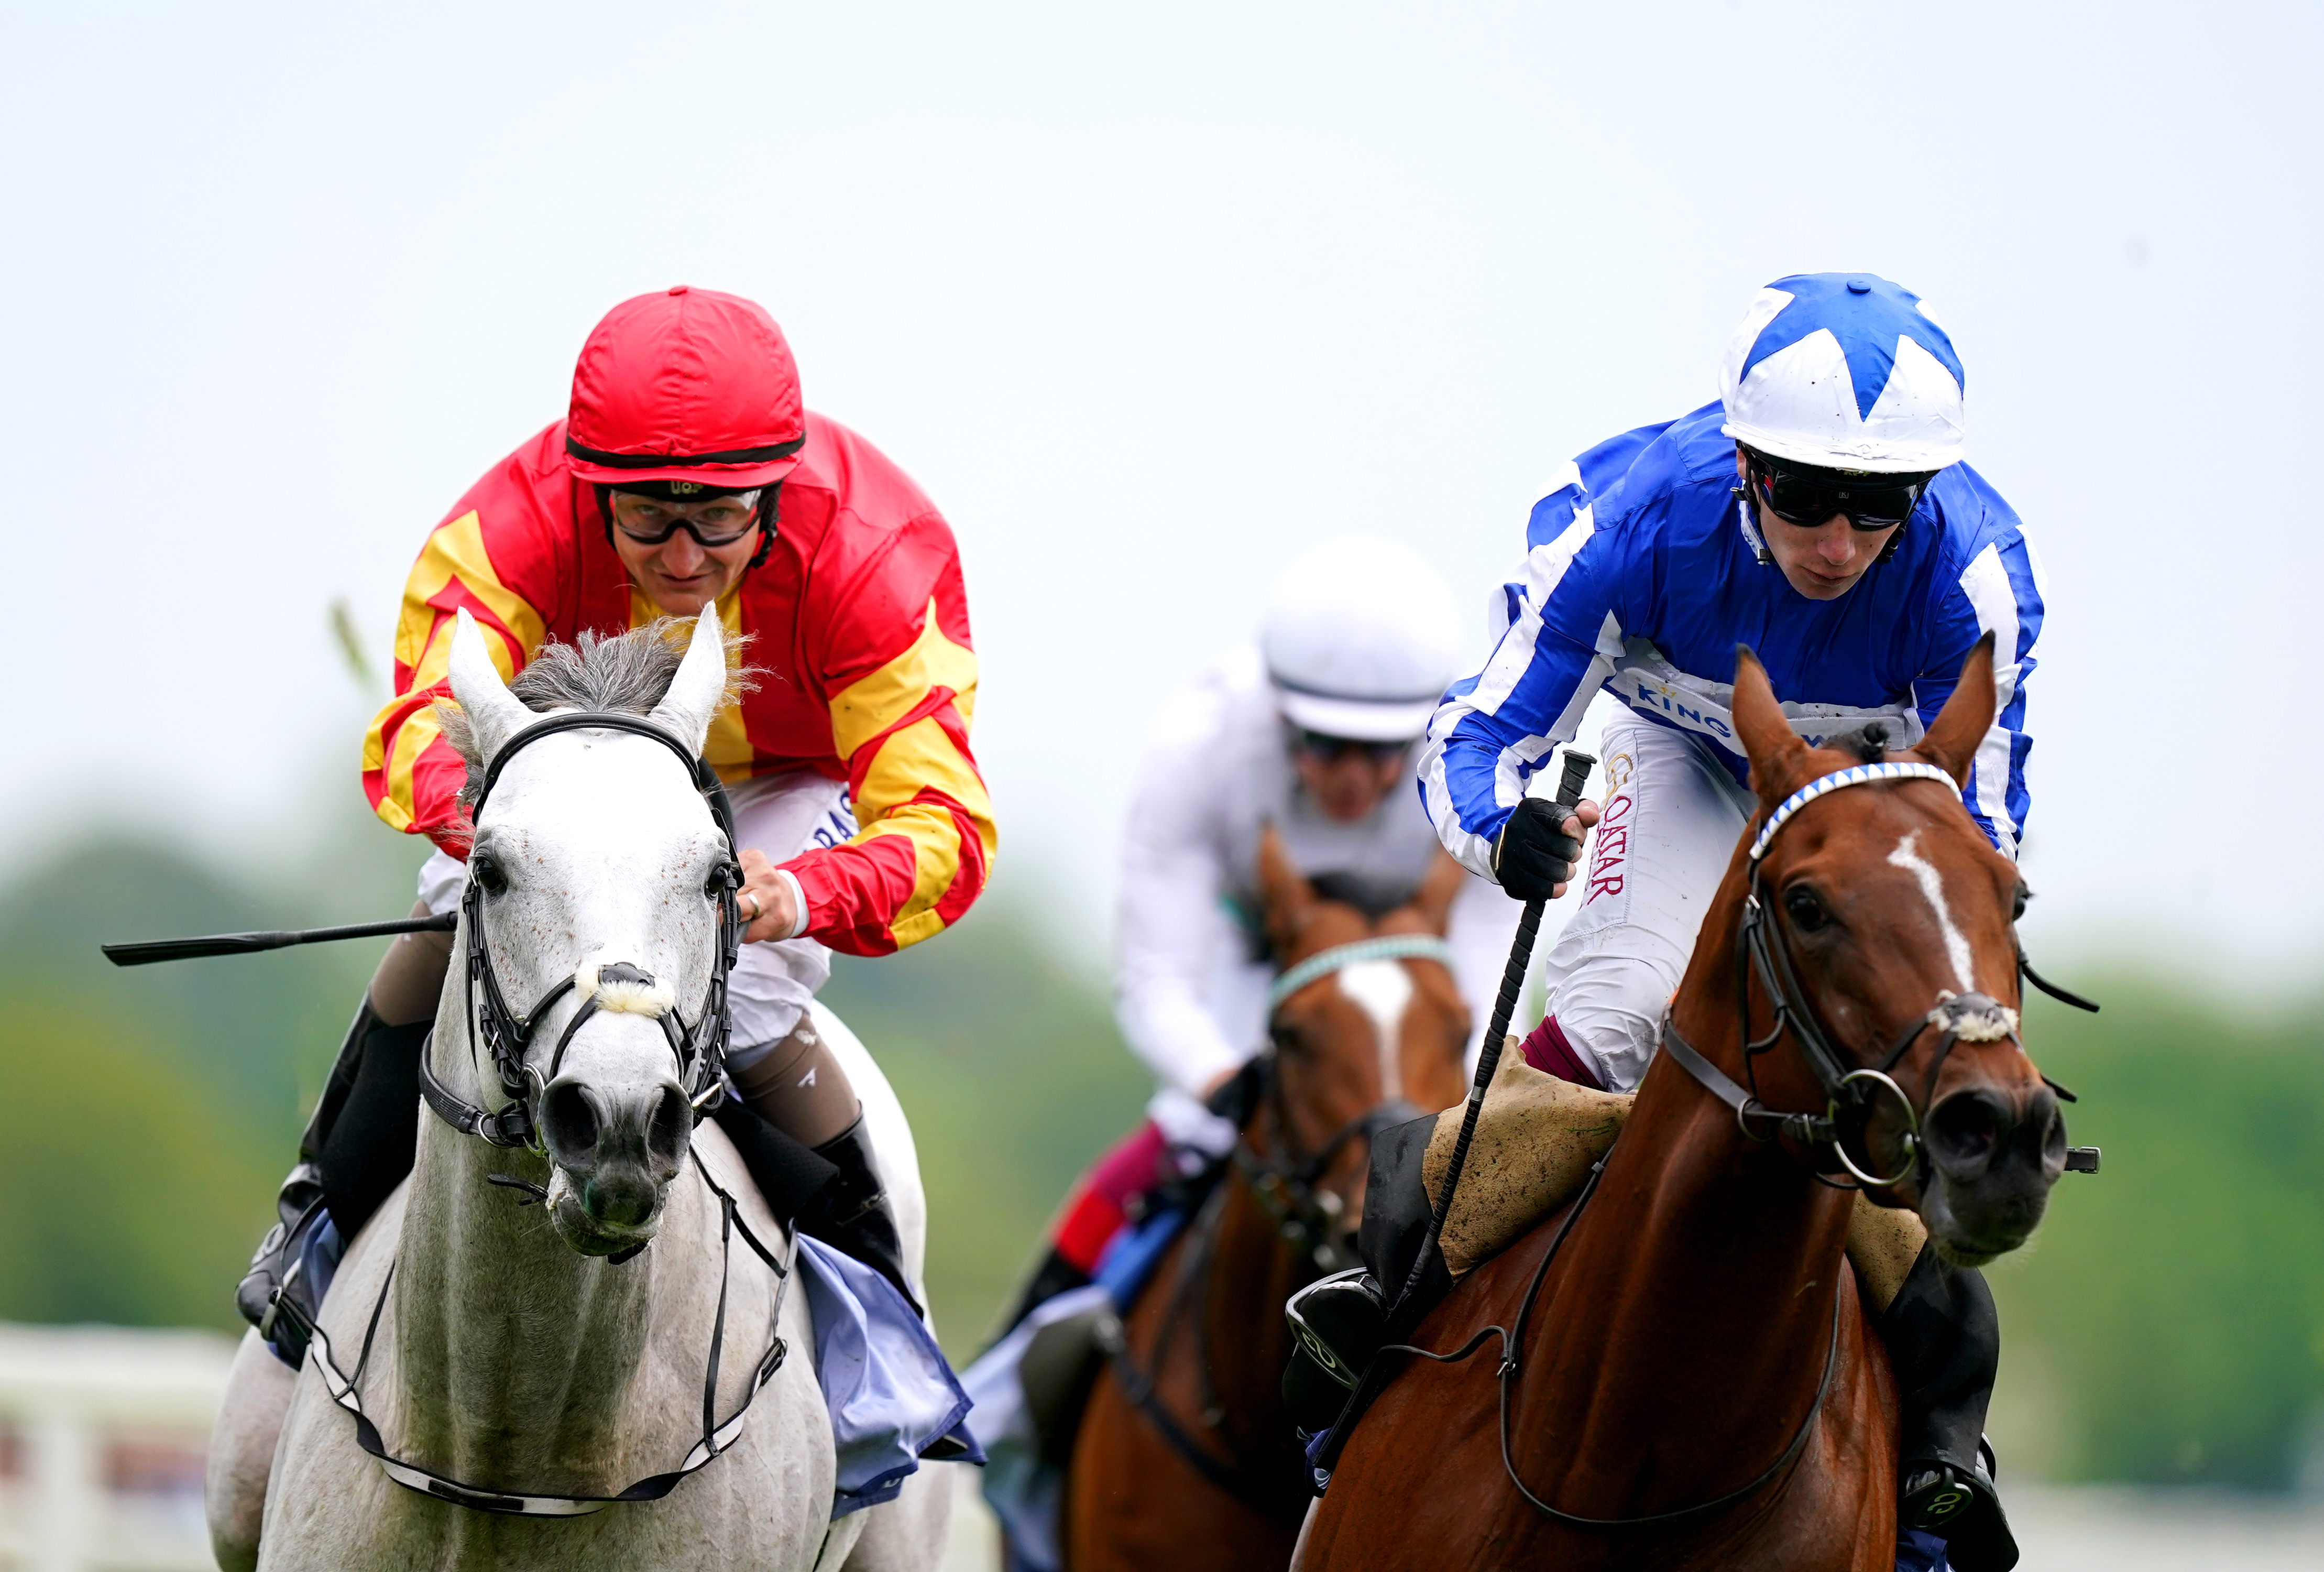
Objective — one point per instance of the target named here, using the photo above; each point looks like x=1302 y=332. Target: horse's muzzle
x=1995 y=1153
x=617 y=1149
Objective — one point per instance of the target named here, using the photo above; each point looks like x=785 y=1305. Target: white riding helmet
x=1362 y=637
x=1845 y=371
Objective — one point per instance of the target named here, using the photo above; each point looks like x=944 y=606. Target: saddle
x=1535 y=1140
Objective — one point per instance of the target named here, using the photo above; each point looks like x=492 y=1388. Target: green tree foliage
x=130 y=1198
x=1014 y=1078
x=2177 y=1298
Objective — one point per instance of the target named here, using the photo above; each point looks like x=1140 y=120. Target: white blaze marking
x=1934 y=886
x=1383 y=990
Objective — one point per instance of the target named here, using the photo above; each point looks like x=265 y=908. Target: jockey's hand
x=767 y=895
x=1539 y=846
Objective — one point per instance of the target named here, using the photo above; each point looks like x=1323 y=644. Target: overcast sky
x=1147 y=298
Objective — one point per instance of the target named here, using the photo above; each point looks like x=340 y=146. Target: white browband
x=1857 y=775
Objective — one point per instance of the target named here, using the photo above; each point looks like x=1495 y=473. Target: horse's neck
x=1704 y=1268
x=515 y=1356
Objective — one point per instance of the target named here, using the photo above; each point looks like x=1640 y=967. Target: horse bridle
x=1282 y=1176
x=1848 y=1088
x=700 y=1049
x=1284 y=1180
x=701 y=1053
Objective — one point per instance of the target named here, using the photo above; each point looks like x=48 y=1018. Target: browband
x=1855 y=775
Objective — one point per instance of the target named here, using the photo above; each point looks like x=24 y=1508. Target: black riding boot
x=1339 y=1323
x=358 y=1147
x=1944 y=1338
x=851 y=1215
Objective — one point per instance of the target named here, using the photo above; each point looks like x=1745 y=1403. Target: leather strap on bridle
x=701 y=1053
x=507 y=1037
x=718 y=1435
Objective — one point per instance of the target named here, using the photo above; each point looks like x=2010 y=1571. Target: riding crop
x=1578 y=765
x=236 y=944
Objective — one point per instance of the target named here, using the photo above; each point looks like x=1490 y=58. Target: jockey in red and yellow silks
x=859 y=634
x=688 y=478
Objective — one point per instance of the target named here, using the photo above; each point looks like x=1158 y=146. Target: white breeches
x=781 y=815
x=1673 y=816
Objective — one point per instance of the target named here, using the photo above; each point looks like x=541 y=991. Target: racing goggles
x=713 y=521
x=1331 y=750
x=1806 y=496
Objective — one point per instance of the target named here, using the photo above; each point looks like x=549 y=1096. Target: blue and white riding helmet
x=1845 y=371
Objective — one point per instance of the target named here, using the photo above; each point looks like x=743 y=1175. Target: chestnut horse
x=1186 y=1457
x=1689 y=1379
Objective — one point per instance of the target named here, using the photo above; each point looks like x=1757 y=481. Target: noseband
x=700 y=1049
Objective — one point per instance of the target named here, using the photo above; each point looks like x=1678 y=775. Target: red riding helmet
x=686 y=385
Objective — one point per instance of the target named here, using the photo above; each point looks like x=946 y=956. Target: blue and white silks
x=890 y=1392
x=1642 y=573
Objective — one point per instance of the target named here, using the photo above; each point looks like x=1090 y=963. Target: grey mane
x=627 y=674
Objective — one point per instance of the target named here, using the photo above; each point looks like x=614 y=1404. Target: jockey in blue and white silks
x=1820 y=512
x=1646 y=565
x=1644 y=569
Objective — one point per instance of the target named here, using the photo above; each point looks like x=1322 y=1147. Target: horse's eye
x=720 y=880
x=1807 y=912
x=1285 y=1036
x=2018 y=905
x=489 y=872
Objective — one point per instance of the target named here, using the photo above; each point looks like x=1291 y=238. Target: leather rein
x=1283 y=1180
x=701 y=1053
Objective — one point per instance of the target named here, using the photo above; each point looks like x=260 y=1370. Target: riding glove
x=1534 y=855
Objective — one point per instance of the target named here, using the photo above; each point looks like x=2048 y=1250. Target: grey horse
x=510 y=1350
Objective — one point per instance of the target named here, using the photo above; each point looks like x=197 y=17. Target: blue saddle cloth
x=891 y=1391
x=1025 y=1492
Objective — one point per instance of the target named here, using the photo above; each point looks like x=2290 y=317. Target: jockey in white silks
x=1819 y=512
x=1314 y=731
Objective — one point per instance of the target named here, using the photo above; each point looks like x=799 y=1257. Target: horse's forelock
x=626 y=674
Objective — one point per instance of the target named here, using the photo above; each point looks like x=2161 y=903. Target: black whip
x=241 y=944
x=1578 y=765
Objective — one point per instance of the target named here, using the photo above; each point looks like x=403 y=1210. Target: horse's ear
x=1285 y=897
x=1778 y=757
x=1967 y=714
x=699 y=685
x=495 y=714
x=1438 y=890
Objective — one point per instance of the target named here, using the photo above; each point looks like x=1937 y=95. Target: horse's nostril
x=669 y=1131
x=569 y=1125
x=1964 y=1130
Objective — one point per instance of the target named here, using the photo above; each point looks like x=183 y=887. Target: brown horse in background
x=1700 y=1316
x=1185 y=1458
